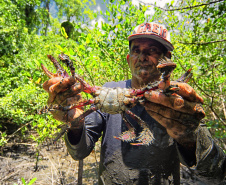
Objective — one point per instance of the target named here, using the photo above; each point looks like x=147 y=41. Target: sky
x=101 y=5
x=159 y=3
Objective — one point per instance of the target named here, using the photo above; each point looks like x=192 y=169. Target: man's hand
x=64 y=91
x=179 y=113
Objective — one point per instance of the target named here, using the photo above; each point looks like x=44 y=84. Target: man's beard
x=146 y=74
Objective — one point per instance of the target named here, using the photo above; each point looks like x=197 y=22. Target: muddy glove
x=63 y=90
x=180 y=113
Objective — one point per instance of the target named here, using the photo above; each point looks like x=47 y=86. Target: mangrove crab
x=113 y=100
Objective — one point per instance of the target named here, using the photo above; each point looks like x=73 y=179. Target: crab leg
x=65 y=59
x=76 y=121
x=60 y=70
x=67 y=108
x=48 y=73
x=166 y=68
x=81 y=104
x=61 y=133
x=146 y=136
x=128 y=135
x=87 y=88
x=49 y=108
x=185 y=77
x=150 y=87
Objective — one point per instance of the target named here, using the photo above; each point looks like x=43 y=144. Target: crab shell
x=114 y=100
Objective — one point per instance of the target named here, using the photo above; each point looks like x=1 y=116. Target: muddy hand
x=179 y=113
x=63 y=90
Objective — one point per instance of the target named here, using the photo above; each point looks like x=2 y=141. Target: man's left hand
x=180 y=113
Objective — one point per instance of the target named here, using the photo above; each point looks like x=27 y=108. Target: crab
x=113 y=100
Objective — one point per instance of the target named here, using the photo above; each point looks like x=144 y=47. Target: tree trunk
x=47 y=21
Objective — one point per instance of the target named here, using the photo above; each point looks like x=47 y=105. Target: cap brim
x=163 y=41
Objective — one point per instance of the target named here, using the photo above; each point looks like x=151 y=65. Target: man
x=174 y=121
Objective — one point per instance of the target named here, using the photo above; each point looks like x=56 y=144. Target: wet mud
x=50 y=164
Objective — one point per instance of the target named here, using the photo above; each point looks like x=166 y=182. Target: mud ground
x=50 y=164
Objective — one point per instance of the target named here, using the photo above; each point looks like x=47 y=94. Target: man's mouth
x=143 y=65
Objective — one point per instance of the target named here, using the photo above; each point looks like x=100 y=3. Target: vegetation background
x=28 y=32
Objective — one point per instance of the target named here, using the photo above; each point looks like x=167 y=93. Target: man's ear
x=127 y=58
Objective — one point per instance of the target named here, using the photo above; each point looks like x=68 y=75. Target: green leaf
x=23 y=181
x=32 y=181
x=108 y=13
x=31 y=65
x=60 y=48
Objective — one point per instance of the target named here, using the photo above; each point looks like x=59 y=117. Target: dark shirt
x=157 y=163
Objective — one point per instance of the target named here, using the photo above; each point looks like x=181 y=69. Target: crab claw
x=186 y=76
x=127 y=136
x=171 y=89
x=146 y=137
x=137 y=144
x=48 y=73
x=60 y=70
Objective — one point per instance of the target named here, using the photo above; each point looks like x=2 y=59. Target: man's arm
x=81 y=142
x=81 y=138
x=180 y=114
x=210 y=160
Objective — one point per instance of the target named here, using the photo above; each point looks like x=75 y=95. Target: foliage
x=21 y=90
x=3 y=138
x=18 y=19
x=32 y=181
x=74 y=9
x=10 y=28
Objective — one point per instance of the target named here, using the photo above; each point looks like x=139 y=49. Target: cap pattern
x=154 y=31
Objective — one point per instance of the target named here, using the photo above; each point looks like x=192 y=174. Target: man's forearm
x=74 y=135
x=187 y=148
x=205 y=158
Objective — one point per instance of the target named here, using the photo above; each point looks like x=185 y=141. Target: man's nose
x=143 y=57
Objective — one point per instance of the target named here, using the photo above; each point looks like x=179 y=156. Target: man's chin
x=145 y=77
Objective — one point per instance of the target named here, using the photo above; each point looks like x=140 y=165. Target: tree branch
x=183 y=8
x=204 y=43
x=206 y=94
x=223 y=103
x=219 y=118
x=192 y=78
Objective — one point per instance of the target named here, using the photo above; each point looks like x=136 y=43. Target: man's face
x=143 y=59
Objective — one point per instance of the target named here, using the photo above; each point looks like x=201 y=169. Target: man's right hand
x=64 y=92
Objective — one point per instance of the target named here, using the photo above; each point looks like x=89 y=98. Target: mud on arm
x=210 y=164
x=80 y=147
x=180 y=114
